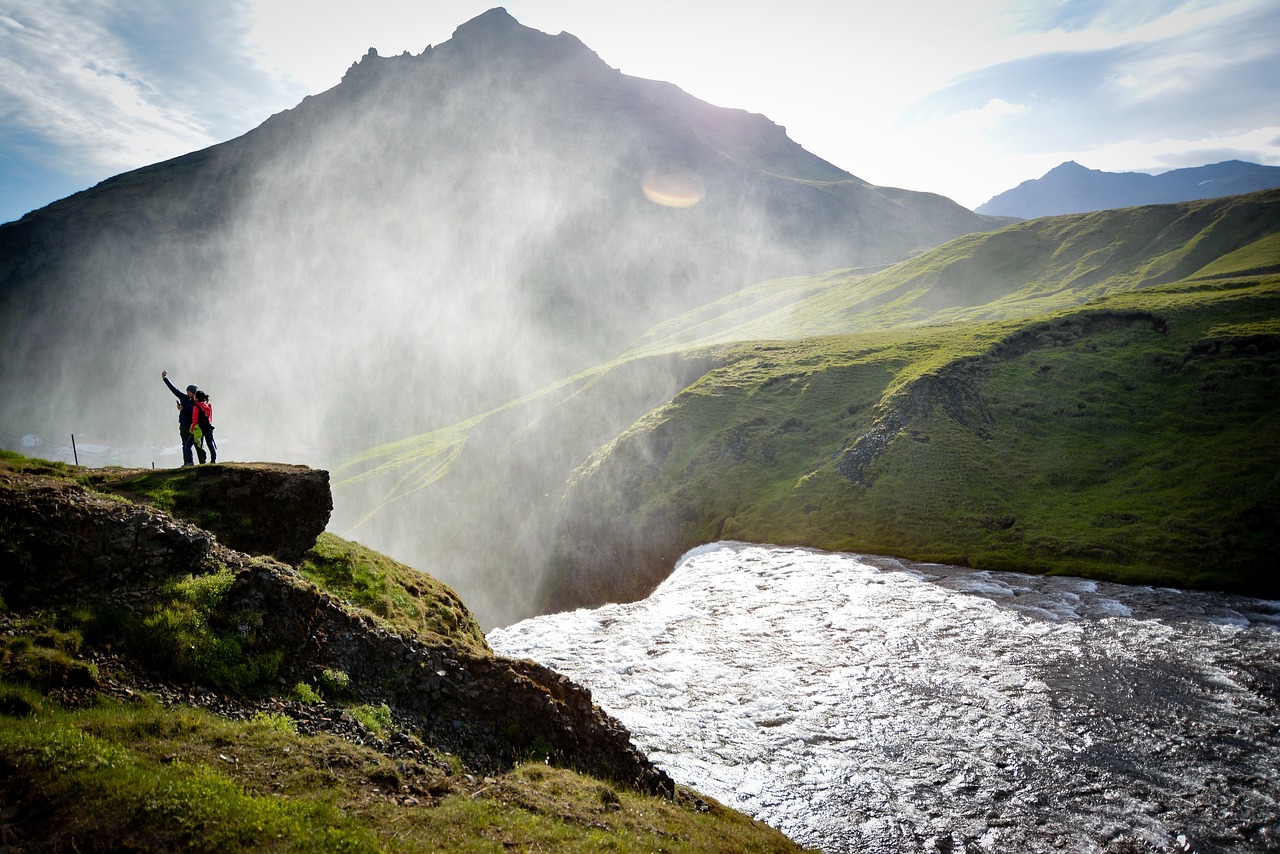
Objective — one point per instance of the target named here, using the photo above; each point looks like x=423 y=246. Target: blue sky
x=966 y=98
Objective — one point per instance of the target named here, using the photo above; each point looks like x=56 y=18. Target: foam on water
x=868 y=704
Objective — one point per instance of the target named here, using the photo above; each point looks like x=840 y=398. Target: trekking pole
x=74 y=455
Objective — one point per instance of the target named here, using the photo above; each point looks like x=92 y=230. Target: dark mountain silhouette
x=437 y=234
x=1071 y=188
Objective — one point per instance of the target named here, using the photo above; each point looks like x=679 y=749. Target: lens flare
x=673 y=188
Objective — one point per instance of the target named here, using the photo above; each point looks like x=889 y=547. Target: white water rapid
x=869 y=704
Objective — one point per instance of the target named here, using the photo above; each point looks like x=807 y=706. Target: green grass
x=1109 y=448
x=1017 y=430
x=47 y=659
x=410 y=602
x=179 y=492
x=94 y=792
x=139 y=776
x=1022 y=270
x=44 y=468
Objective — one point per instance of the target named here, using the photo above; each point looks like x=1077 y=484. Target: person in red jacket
x=186 y=408
x=204 y=417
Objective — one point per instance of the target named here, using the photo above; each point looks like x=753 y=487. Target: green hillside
x=1093 y=394
x=1021 y=270
x=1134 y=439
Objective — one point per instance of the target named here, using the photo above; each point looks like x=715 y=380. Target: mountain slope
x=1022 y=269
x=434 y=236
x=1071 y=188
x=1000 y=401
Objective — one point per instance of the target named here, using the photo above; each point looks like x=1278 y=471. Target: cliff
x=106 y=598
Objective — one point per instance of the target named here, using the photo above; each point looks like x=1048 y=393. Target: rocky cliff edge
x=95 y=539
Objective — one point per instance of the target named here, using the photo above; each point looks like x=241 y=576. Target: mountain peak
x=1067 y=167
x=496 y=21
x=496 y=36
x=1071 y=188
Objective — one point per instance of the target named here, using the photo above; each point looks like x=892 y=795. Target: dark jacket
x=184 y=414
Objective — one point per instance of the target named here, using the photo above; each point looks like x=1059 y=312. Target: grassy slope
x=140 y=777
x=1021 y=270
x=804 y=369
x=86 y=765
x=1086 y=442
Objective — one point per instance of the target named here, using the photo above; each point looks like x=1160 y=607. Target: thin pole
x=73 y=449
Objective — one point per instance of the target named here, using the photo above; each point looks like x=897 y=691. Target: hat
x=192 y=389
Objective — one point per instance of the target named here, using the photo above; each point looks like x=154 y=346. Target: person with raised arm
x=186 y=410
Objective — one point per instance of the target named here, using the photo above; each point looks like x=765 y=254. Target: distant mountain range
x=1071 y=188
x=435 y=235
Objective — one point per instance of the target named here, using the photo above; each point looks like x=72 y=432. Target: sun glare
x=673 y=188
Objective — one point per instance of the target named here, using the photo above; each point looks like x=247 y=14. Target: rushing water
x=870 y=704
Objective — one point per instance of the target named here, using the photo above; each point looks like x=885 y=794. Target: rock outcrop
x=256 y=508
x=62 y=542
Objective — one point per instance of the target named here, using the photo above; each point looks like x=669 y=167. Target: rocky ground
x=67 y=541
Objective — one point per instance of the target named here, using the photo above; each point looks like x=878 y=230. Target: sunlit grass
x=1107 y=449
x=410 y=602
x=140 y=776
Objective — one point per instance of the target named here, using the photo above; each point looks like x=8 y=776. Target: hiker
x=186 y=407
x=204 y=418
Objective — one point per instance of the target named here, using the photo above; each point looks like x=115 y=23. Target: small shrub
x=275 y=723
x=376 y=719
x=540 y=750
x=304 y=693
x=205 y=592
x=334 y=683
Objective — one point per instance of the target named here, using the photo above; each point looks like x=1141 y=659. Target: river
x=863 y=703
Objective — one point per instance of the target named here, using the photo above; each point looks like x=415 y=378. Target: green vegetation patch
x=80 y=790
x=1133 y=439
x=189 y=632
x=143 y=777
x=47 y=660
x=182 y=628
x=182 y=492
x=410 y=602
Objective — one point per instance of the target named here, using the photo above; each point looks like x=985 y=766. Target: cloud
x=1086 y=15
x=1190 y=84
x=107 y=86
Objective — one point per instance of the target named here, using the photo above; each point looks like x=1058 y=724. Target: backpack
x=206 y=409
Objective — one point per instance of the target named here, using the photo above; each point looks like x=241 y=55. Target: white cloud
x=1256 y=146
x=105 y=87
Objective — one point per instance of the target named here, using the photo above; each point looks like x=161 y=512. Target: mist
x=439 y=235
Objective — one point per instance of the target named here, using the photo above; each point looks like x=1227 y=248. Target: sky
x=966 y=98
